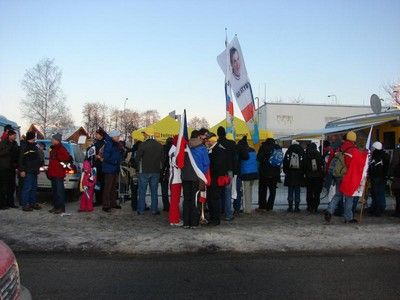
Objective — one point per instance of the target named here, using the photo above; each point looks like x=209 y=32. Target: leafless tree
x=130 y=121
x=44 y=103
x=149 y=117
x=392 y=90
x=197 y=123
x=95 y=116
x=298 y=100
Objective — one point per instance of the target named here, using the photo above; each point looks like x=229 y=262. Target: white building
x=291 y=118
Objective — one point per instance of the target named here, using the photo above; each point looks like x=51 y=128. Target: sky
x=162 y=54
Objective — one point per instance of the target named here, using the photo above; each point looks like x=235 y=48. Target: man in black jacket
x=30 y=160
x=8 y=165
x=149 y=159
x=231 y=161
x=269 y=175
x=314 y=177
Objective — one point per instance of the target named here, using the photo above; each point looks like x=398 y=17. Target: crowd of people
x=216 y=175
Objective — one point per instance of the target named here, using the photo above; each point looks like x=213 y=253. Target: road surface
x=212 y=276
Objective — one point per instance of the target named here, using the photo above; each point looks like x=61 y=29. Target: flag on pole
x=360 y=189
x=182 y=148
x=230 y=126
x=232 y=64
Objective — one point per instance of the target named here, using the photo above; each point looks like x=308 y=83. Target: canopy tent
x=355 y=123
x=240 y=129
x=165 y=128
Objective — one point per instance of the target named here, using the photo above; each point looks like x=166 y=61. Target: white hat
x=377 y=145
x=114 y=133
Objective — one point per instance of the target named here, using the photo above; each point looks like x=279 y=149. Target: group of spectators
x=216 y=177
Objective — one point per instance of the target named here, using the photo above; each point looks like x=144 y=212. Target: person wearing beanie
x=112 y=158
x=4 y=135
x=270 y=174
x=8 y=165
x=232 y=165
x=346 y=185
x=58 y=158
x=30 y=160
x=377 y=173
x=175 y=184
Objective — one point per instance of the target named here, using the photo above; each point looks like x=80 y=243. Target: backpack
x=294 y=162
x=276 y=157
x=338 y=167
x=314 y=165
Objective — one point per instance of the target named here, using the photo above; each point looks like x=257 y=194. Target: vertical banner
x=360 y=190
x=232 y=64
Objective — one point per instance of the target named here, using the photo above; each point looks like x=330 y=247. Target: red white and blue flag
x=182 y=148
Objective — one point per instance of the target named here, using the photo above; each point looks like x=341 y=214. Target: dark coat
x=218 y=163
x=231 y=154
x=112 y=157
x=57 y=154
x=150 y=157
x=266 y=170
x=8 y=155
x=31 y=158
x=394 y=170
x=294 y=177
x=378 y=166
x=313 y=154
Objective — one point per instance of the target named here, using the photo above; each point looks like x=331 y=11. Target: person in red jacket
x=58 y=158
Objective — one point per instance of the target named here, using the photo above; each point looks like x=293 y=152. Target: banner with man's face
x=232 y=64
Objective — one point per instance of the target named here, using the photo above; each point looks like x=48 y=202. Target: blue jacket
x=200 y=156
x=113 y=156
x=249 y=167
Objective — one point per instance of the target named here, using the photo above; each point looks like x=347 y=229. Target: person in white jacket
x=175 y=182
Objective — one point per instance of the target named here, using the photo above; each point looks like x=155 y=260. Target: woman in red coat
x=58 y=158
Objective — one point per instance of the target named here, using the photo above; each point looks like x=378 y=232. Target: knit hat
x=57 y=137
x=30 y=136
x=7 y=127
x=351 y=136
x=114 y=133
x=377 y=145
x=221 y=131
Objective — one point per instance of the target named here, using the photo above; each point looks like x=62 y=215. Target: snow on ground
x=124 y=232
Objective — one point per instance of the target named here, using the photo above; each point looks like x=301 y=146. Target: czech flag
x=183 y=139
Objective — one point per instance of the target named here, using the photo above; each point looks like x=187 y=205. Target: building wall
x=289 y=118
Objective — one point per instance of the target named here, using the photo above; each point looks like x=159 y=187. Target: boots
x=297 y=208
x=290 y=209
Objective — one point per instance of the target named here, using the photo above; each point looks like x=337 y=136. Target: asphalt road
x=212 y=276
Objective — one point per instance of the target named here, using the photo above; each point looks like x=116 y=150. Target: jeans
x=348 y=203
x=57 y=185
x=378 y=196
x=145 y=180
x=29 y=188
x=228 y=199
x=294 y=194
x=237 y=203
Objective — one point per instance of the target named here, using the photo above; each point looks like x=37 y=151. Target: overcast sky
x=162 y=54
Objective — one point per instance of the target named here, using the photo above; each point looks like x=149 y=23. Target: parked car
x=73 y=175
x=10 y=282
x=4 y=121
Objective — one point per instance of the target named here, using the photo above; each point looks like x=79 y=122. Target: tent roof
x=240 y=128
x=343 y=125
x=165 y=128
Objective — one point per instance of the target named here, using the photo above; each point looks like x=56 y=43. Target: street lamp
x=333 y=96
x=124 y=116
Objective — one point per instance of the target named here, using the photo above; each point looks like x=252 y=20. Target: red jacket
x=355 y=161
x=57 y=154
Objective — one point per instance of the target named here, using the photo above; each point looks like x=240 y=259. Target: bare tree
x=298 y=100
x=149 y=117
x=95 y=115
x=392 y=90
x=44 y=103
x=130 y=121
x=197 y=123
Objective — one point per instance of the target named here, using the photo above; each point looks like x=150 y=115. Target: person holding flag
x=192 y=158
